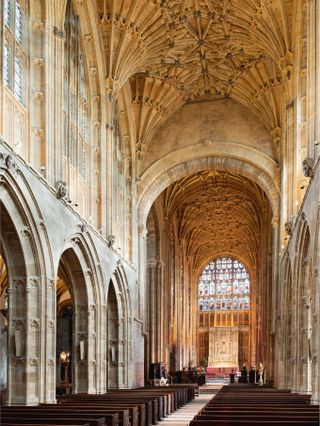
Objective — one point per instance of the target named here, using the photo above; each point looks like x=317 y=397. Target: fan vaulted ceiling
x=175 y=51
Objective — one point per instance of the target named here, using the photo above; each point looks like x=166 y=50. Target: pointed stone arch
x=303 y=268
x=233 y=157
x=78 y=268
x=25 y=249
x=118 y=331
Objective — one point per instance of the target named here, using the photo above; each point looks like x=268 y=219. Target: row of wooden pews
x=134 y=407
x=253 y=405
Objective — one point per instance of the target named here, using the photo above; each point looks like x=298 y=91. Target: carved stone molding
x=38 y=62
x=35 y=282
x=61 y=190
x=38 y=132
x=84 y=228
x=10 y=162
x=58 y=32
x=38 y=26
x=26 y=231
x=34 y=362
x=19 y=361
x=308 y=165
x=38 y=96
x=35 y=323
x=18 y=324
x=51 y=283
x=288 y=227
x=111 y=239
x=51 y=324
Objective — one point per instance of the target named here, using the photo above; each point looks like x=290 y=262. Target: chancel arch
x=188 y=161
x=212 y=214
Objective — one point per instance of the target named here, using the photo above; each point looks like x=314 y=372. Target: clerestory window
x=14 y=53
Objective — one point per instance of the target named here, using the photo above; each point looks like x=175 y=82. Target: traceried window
x=7 y=64
x=76 y=97
x=14 y=51
x=18 y=78
x=224 y=285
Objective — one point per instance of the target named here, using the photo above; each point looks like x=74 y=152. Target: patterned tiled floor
x=183 y=416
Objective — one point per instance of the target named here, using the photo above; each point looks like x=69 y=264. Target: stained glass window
x=224 y=285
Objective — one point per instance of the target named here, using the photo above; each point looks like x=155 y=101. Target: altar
x=223 y=349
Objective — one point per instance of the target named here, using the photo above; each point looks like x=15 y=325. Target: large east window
x=224 y=285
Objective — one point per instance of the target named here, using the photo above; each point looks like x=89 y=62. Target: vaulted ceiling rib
x=216 y=213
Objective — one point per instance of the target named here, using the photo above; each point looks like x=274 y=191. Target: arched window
x=76 y=114
x=14 y=50
x=224 y=285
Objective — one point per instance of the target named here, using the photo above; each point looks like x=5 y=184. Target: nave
x=159 y=197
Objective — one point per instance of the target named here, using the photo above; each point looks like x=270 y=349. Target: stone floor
x=183 y=416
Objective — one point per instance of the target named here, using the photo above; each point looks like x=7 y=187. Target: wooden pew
x=52 y=412
x=257 y=406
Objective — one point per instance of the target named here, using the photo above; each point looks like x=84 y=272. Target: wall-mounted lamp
x=64 y=357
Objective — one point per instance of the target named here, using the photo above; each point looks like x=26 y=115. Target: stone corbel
x=61 y=190
x=38 y=26
x=308 y=165
x=112 y=88
x=111 y=240
x=88 y=38
x=38 y=62
x=286 y=64
x=38 y=132
x=38 y=96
